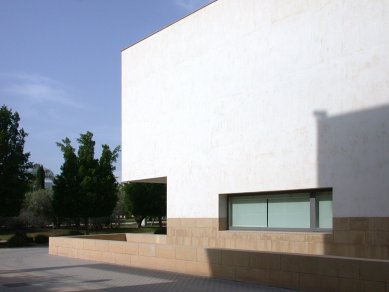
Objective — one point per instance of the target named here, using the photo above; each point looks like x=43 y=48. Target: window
x=311 y=209
x=249 y=211
x=324 y=210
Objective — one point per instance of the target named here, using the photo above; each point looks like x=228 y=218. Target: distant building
x=48 y=183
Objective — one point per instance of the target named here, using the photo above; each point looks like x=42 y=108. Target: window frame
x=313 y=193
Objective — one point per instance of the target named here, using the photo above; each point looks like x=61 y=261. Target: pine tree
x=14 y=163
x=87 y=183
x=66 y=184
x=106 y=194
x=40 y=178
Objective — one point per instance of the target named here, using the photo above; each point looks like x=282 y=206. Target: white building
x=288 y=100
x=269 y=122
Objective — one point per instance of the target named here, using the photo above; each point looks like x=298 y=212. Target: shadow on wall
x=298 y=271
x=353 y=158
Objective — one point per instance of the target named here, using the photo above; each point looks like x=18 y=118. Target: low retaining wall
x=295 y=271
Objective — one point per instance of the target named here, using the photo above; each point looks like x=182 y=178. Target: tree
x=66 y=184
x=40 y=178
x=87 y=167
x=121 y=209
x=86 y=183
x=106 y=193
x=146 y=199
x=38 y=208
x=159 y=201
x=14 y=163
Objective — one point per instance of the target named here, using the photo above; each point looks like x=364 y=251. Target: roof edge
x=165 y=27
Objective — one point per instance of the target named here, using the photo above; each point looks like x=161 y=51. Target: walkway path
x=32 y=269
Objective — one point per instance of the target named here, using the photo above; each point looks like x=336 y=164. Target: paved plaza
x=32 y=269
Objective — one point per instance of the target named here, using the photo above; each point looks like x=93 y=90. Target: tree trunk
x=160 y=221
x=57 y=221
x=138 y=221
x=77 y=223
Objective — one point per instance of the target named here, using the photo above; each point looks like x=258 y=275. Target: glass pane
x=248 y=212
x=324 y=210
x=291 y=211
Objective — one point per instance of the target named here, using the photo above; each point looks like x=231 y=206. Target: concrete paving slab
x=33 y=269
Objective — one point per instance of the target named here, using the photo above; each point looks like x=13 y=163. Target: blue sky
x=60 y=65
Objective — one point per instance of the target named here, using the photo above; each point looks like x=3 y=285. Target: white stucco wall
x=224 y=101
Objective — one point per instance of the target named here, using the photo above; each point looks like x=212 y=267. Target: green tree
x=122 y=207
x=107 y=186
x=158 y=202
x=88 y=180
x=40 y=178
x=66 y=184
x=92 y=188
x=146 y=199
x=38 y=208
x=14 y=163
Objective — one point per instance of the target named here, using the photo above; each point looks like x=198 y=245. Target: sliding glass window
x=289 y=211
x=303 y=210
x=324 y=210
x=249 y=211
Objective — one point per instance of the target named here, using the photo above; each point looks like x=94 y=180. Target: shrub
x=19 y=239
x=37 y=208
x=41 y=239
x=160 y=231
x=75 y=232
x=12 y=223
